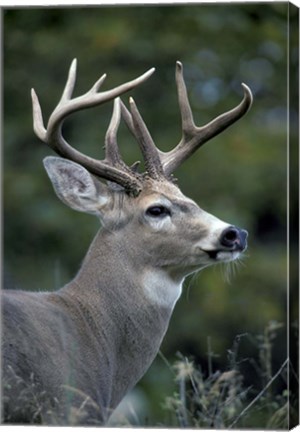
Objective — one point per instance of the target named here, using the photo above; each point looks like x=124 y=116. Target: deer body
x=76 y=352
x=98 y=335
x=107 y=326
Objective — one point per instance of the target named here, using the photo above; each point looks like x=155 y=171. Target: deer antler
x=112 y=167
x=193 y=136
x=158 y=164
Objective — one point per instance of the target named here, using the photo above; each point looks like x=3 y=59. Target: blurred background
x=240 y=176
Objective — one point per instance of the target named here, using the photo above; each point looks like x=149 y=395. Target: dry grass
x=219 y=400
x=24 y=403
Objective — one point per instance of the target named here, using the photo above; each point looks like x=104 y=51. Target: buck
x=70 y=356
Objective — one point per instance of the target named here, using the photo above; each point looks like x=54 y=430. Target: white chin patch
x=226 y=256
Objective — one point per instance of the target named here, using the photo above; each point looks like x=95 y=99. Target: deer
x=70 y=356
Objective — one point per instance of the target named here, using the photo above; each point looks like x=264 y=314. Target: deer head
x=176 y=233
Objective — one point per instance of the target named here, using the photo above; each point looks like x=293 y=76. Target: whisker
x=230 y=269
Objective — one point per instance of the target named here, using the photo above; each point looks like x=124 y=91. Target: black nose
x=234 y=237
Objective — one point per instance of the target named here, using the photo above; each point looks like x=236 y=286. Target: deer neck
x=130 y=305
x=113 y=267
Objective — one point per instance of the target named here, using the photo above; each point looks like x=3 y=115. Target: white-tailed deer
x=70 y=356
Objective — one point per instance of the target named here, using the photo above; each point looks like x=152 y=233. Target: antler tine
x=53 y=137
x=70 y=84
x=127 y=117
x=150 y=153
x=112 y=154
x=193 y=136
x=111 y=147
x=139 y=130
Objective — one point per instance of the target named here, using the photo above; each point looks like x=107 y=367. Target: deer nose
x=234 y=237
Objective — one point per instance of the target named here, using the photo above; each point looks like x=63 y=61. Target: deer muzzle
x=231 y=243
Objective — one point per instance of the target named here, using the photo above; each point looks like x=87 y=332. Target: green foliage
x=240 y=177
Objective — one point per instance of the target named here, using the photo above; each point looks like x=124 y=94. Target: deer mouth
x=225 y=254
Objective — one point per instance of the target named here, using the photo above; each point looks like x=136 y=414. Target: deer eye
x=158 y=211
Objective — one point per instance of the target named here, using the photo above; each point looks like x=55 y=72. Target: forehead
x=163 y=190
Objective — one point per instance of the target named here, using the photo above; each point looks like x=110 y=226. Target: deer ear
x=75 y=186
